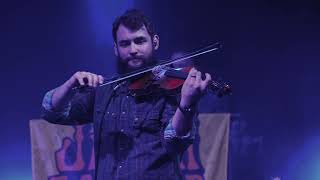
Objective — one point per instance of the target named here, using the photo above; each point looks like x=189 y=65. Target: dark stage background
x=270 y=56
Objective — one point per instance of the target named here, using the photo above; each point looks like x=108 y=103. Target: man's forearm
x=62 y=96
x=182 y=122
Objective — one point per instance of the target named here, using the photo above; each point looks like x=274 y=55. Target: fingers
x=195 y=80
x=95 y=82
x=198 y=79
x=78 y=77
x=205 y=83
x=191 y=76
x=87 y=78
x=101 y=79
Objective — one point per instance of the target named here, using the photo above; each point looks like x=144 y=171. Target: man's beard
x=124 y=68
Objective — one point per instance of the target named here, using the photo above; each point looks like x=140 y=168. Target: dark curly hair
x=132 y=19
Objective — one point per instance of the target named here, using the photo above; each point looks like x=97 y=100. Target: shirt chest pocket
x=152 y=122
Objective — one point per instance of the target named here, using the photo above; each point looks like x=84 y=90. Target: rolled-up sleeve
x=78 y=111
x=47 y=105
x=170 y=132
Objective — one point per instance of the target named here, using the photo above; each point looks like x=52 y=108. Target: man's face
x=134 y=48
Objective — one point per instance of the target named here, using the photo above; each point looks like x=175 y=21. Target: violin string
x=207 y=49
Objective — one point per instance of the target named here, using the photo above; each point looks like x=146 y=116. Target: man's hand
x=84 y=79
x=63 y=94
x=193 y=88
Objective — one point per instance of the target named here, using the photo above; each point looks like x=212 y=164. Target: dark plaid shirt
x=138 y=140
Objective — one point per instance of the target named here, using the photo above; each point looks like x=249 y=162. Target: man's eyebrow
x=139 y=38
x=124 y=41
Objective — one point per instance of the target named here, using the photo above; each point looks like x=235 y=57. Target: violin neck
x=172 y=73
x=220 y=88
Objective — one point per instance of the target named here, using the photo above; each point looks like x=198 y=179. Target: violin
x=169 y=79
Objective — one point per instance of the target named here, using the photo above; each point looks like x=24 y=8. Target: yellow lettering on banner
x=61 y=154
x=191 y=163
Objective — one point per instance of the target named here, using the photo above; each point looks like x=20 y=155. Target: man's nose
x=133 y=49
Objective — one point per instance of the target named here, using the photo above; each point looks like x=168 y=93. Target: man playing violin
x=135 y=137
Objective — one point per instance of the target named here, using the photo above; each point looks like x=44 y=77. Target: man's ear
x=115 y=49
x=155 y=42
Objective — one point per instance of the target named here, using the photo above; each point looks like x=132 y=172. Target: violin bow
x=212 y=47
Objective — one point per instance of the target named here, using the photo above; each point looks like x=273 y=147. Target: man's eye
x=124 y=44
x=140 y=40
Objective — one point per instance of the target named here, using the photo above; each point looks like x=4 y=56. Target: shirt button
x=122 y=130
x=123 y=112
x=136 y=119
x=120 y=166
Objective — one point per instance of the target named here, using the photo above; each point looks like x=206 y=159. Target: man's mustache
x=135 y=57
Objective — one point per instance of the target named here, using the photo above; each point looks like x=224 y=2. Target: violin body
x=171 y=81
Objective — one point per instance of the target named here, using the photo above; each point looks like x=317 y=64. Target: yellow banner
x=66 y=152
